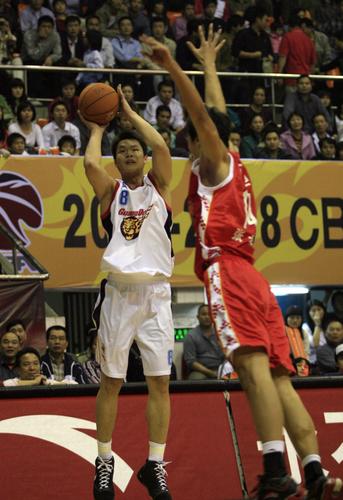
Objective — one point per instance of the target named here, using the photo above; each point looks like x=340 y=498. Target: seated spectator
x=53 y=131
x=141 y=23
x=166 y=133
x=163 y=116
x=313 y=328
x=93 y=23
x=201 y=350
x=129 y=95
x=28 y=369
x=339 y=151
x=305 y=103
x=67 y=145
x=9 y=12
x=84 y=138
x=31 y=14
x=325 y=97
x=16 y=144
x=109 y=15
x=337 y=304
x=9 y=347
x=165 y=96
x=59 y=8
x=3 y=129
x=9 y=47
x=255 y=108
x=92 y=59
x=327 y=149
x=299 y=343
x=17 y=95
x=42 y=46
x=339 y=122
x=321 y=130
x=235 y=140
x=295 y=141
x=253 y=140
x=179 y=26
x=18 y=327
x=72 y=43
x=57 y=364
x=26 y=115
x=91 y=367
x=272 y=146
x=68 y=95
x=326 y=353
x=339 y=359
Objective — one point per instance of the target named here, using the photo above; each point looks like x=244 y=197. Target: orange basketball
x=99 y=103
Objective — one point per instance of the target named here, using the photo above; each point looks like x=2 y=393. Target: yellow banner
x=51 y=206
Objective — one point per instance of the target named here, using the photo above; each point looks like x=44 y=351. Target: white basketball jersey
x=138 y=223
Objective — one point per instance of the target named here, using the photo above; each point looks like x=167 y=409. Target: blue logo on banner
x=170 y=357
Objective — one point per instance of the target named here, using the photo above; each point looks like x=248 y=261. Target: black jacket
x=72 y=369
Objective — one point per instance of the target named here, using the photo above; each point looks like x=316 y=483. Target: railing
x=17 y=246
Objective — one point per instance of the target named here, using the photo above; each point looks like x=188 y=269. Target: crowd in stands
x=261 y=36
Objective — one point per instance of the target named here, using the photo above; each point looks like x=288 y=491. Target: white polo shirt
x=52 y=133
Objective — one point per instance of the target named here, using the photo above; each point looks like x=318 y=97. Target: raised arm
x=100 y=180
x=206 y=54
x=161 y=159
x=212 y=148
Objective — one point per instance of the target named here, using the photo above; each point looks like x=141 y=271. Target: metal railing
x=12 y=269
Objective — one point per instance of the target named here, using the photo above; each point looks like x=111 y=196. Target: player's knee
x=158 y=385
x=110 y=385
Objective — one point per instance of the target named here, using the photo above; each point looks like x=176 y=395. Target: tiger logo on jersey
x=130 y=227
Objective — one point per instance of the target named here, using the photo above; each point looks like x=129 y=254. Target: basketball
x=98 y=103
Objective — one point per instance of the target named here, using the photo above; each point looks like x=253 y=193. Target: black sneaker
x=103 y=481
x=326 y=488
x=276 y=488
x=154 y=478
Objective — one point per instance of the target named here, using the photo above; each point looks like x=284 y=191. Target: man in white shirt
x=53 y=131
x=165 y=96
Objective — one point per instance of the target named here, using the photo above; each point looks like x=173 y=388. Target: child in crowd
x=327 y=149
x=92 y=59
x=67 y=145
x=26 y=126
x=16 y=144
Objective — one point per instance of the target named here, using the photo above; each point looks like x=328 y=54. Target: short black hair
x=269 y=128
x=162 y=130
x=254 y=12
x=123 y=18
x=26 y=350
x=59 y=102
x=327 y=140
x=201 y=307
x=45 y=19
x=162 y=107
x=14 y=322
x=295 y=113
x=337 y=292
x=221 y=121
x=17 y=82
x=72 y=19
x=66 y=138
x=158 y=19
x=92 y=16
x=24 y=105
x=303 y=76
x=59 y=328
x=165 y=83
x=319 y=114
x=128 y=135
x=55 y=2
x=13 y=137
x=94 y=38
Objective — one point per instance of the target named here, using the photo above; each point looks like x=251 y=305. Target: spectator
x=313 y=328
x=339 y=359
x=91 y=367
x=109 y=14
x=84 y=138
x=92 y=59
x=72 y=43
x=165 y=96
x=163 y=116
x=209 y=9
x=30 y=16
x=10 y=13
x=129 y=95
x=42 y=46
x=141 y=23
x=16 y=144
x=304 y=102
x=53 y=131
x=59 y=8
x=67 y=145
x=159 y=28
x=26 y=115
x=256 y=107
x=272 y=146
x=235 y=139
x=201 y=350
x=225 y=60
x=166 y=133
x=74 y=7
x=17 y=94
x=57 y=364
x=28 y=369
x=179 y=26
x=3 y=129
x=9 y=51
x=325 y=97
x=18 y=327
x=337 y=65
x=253 y=140
x=6 y=112
x=9 y=347
x=184 y=55
x=68 y=95
x=326 y=353
x=321 y=130
x=339 y=122
x=299 y=344
x=276 y=34
x=127 y=50
x=93 y=23
x=297 y=53
x=337 y=304
x=252 y=47
x=321 y=44
x=327 y=149
x=295 y=141
x=339 y=151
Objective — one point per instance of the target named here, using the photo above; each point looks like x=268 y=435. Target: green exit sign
x=180 y=333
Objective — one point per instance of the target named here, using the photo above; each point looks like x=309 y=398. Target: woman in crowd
x=17 y=94
x=313 y=328
x=256 y=107
x=295 y=141
x=26 y=126
x=253 y=140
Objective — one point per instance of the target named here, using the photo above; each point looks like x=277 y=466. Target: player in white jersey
x=135 y=301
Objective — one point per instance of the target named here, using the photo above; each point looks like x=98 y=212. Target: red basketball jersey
x=224 y=216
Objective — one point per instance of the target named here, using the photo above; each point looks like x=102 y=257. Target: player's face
x=193 y=147
x=10 y=344
x=29 y=366
x=129 y=156
x=272 y=141
x=20 y=331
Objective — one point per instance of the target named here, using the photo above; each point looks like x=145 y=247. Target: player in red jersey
x=246 y=315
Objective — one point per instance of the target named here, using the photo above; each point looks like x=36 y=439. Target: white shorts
x=140 y=312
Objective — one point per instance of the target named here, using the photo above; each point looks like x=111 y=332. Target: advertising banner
x=50 y=205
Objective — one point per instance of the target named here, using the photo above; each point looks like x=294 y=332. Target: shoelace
x=105 y=470
x=161 y=475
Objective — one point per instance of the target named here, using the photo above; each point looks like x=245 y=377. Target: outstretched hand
x=158 y=53
x=209 y=48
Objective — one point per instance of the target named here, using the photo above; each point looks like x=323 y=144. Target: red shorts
x=245 y=311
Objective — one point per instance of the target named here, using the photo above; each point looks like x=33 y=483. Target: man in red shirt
x=297 y=53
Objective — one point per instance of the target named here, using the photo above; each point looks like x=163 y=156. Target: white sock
x=156 y=451
x=273 y=447
x=310 y=458
x=105 y=449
